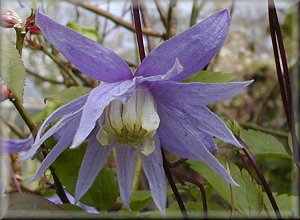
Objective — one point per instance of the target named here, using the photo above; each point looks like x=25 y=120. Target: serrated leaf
x=211 y=77
x=286 y=204
x=68 y=94
x=102 y=194
x=246 y=198
x=13 y=70
x=262 y=143
x=88 y=32
x=140 y=200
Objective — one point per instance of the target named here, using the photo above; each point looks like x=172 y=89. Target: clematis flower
x=143 y=112
x=15 y=146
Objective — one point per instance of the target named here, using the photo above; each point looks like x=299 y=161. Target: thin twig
x=138 y=29
x=36 y=75
x=13 y=176
x=177 y=163
x=199 y=185
x=162 y=13
x=172 y=22
x=147 y=24
x=14 y=128
x=113 y=18
x=283 y=77
x=173 y=186
x=261 y=177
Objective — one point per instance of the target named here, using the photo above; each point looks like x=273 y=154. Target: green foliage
x=68 y=94
x=211 y=77
x=13 y=70
x=88 y=32
x=262 y=143
x=102 y=194
x=286 y=204
x=246 y=199
x=140 y=200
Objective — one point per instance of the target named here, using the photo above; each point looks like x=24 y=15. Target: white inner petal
x=149 y=117
x=131 y=123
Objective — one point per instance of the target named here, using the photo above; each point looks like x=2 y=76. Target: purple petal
x=194 y=48
x=88 y=56
x=197 y=93
x=96 y=102
x=94 y=159
x=180 y=137
x=154 y=171
x=125 y=172
x=188 y=107
x=69 y=108
x=175 y=70
x=15 y=146
x=61 y=145
x=63 y=123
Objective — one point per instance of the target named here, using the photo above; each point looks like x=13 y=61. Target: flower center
x=132 y=123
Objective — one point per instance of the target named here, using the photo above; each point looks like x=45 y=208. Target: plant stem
x=162 y=13
x=36 y=75
x=261 y=177
x=13 y=176
x=199 y=185
x=138 y=29
x=147 y=24
x=112 y=17
x=173 y=186
x=177 y=163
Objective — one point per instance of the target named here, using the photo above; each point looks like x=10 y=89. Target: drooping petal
x=125 y=172
x=182 y=139
x=15 y=146
x=88 y=56
x=61 y=145
x=197 y=93
x=61 y=123
x=93 y=161
x=154 y=171
x=189 y=107
x=194 y=48
x=96 y=102
x=69 y=108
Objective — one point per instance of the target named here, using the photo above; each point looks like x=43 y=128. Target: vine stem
x=173 y=186
x=13 y=176
x=138 y=29
x=199 y=185
x=261 y=177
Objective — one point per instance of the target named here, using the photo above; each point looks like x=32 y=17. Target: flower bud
x=4 y=92
x=10 y=19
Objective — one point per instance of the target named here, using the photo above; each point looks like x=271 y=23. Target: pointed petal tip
x=74 y=146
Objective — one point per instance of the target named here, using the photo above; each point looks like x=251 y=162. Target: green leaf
x=102 y=194
x=88 y=32
x=68 y=94
x=13 y=70
x=262 y=143
x=20 y=205
x=246 y=198
x=286 y=204
x=140 y=200
x=211 y=77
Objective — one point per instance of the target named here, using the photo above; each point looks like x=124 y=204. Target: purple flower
x=140 y=113
x=15 y=146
